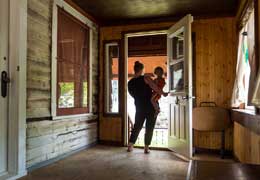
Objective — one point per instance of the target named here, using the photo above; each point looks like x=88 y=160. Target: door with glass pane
x=4 y=6
x=180 y=87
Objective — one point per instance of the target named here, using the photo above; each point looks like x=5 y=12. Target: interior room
x=131 y=89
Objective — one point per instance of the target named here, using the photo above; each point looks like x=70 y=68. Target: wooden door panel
x=180 y=86
x=4 y=4
x=182 y=120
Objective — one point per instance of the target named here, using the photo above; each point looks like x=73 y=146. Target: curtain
x=239 y=95
x=251 y=56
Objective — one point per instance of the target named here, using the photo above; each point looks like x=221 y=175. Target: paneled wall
x=246 y=144
x=215 y=71
x=47 y=139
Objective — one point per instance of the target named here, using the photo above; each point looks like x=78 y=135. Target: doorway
x=179 y=75
x=151 y=50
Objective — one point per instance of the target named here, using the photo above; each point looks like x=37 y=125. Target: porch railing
x=160 y=138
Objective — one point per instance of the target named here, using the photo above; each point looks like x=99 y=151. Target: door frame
x=127 y=35
x=17 y=56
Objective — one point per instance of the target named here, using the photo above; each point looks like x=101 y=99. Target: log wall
x=215 y=71
x=47 y=139
x=39 y=58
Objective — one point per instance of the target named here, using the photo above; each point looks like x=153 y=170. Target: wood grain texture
x=49 y=139
x=113 y=163
x=215 y=70
x=39 y=58
x=246 y=145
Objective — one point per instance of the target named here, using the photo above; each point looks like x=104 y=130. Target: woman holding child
x=146 y=93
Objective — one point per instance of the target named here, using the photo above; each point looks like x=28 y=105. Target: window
x=246 y=66
x=177 y=63
x=72 y=65
x=111 y=78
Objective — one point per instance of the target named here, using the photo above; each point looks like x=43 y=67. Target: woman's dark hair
x=138 y=66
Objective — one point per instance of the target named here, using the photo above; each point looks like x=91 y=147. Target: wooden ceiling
x=126 y=11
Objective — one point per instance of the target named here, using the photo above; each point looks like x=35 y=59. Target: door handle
x=4 y=83
x=188 y=97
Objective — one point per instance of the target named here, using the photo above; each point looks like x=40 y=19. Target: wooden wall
x=246 y=145
x=47 y=139
x=215 y=71
x=50 y=139
x=39 y=59
x=258 y=44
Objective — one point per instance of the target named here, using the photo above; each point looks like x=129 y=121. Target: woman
x=140 y=88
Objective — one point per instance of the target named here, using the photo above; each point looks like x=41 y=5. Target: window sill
x=246 y=111
x=89 y=116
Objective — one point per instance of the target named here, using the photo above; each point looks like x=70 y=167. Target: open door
x=4 y=4
x=180 y=87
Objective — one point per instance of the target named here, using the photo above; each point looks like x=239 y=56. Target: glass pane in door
x=177 y=77
x=177 y=43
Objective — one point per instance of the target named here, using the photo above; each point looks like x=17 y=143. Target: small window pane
x=85 y=94
x=178 y=47
x=66 y=99
x=177 y=77
x=112 y=72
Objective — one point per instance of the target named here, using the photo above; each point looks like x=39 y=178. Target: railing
x=160 y=138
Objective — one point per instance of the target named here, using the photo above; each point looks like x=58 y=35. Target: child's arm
x=150 y=82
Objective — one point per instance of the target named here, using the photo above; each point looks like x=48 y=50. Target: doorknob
x=4 y=83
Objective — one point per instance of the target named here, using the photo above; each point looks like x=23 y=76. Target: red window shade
x=73 y=65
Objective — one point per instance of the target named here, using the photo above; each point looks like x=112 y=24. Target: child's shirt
x=160 y=82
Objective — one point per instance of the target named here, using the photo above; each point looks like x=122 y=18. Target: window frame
x=243 y=18
x=92 y=26
x=105 y=44
x=255 y=98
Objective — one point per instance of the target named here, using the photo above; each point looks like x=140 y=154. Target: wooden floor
x=113 y=163
x=206 y=170
x=213 y=157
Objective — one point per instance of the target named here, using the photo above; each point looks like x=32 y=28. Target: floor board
x=113 y=163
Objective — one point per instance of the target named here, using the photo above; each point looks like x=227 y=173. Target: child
x=160 y=82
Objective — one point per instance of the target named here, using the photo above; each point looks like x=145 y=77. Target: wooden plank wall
x=246 y=145
x=258 y=10
x=47 y=139
x=50 y=139
x=39 y=58
x=215 y=71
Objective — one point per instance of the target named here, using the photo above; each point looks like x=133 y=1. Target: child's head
x=158 y=71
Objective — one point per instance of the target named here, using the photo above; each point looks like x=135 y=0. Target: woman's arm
x=154 y=87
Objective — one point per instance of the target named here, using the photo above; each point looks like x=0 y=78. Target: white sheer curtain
x=240 y=90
